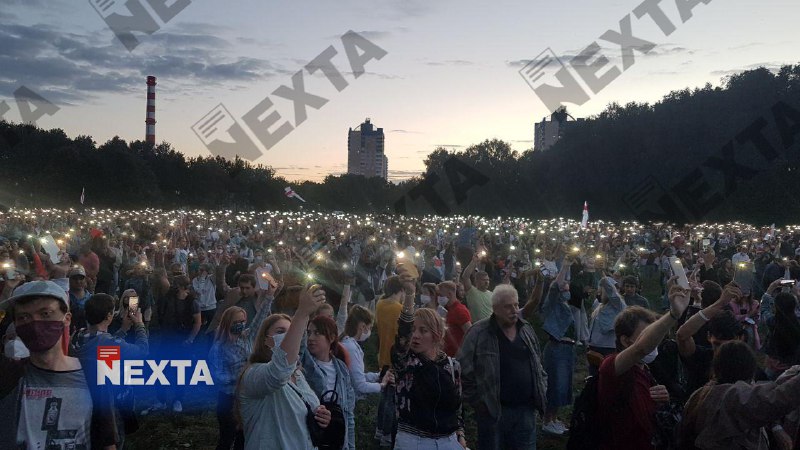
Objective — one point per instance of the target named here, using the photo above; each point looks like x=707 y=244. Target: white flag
x=585 y=218
x=83 y=191
x=290 y=193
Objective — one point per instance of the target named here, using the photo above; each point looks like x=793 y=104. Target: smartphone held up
x=677 y=270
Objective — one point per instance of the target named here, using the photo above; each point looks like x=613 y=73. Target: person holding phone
x=179 y=323
x=273 y=394
x=358 y=329
x=119 y=323
x=428 y=381
x=747 y=310
x=726 y=272
x=99 y=316
x=602 y=340
x=232 y=345
x=204 y=288
x=479 y=297
x=783 y=344
x=626 y=391
x=722 y=327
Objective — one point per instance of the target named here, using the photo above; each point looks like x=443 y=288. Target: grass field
x=167 y=430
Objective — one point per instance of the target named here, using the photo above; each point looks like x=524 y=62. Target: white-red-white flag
x=83 y=191
x=585 y=218
x=292 y=194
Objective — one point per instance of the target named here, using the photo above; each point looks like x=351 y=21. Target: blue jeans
x=408 y=441
x=515 y=430
x=559 y=363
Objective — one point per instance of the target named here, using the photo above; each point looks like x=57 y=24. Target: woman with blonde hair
x=227 y=358
x=232 y=345
x=428 y=381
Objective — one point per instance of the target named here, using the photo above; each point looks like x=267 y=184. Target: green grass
x=199 y=431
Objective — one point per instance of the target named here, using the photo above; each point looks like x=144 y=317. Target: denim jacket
x=557 y=314
x=480 y=366
x=344 y=387
x=601 y=333
x=228 y=359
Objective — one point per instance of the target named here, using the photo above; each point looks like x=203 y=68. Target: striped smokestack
x=151 y=111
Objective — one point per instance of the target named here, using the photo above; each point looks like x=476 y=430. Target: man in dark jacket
x=502 y=375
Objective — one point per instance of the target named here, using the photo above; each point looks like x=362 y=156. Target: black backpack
x=585 y=431
x=332 y=437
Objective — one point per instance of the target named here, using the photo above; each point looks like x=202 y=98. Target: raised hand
x=678 y=300
x=730 y=293
x=311 y=299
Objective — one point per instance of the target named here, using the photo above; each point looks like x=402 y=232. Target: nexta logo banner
x=113 y=370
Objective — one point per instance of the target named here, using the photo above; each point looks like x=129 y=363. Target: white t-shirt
x=330 y=374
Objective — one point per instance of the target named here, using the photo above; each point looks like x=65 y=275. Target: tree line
x=706 y=154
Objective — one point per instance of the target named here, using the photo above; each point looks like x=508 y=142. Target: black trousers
x=229 y=435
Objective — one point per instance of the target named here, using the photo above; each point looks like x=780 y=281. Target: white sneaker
x=560 y=425
x=552 y=428
x=177 y=406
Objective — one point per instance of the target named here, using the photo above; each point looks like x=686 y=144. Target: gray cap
x=40 y=289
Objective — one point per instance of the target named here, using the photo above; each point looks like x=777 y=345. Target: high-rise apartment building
x=365 y=155
x=547 y=133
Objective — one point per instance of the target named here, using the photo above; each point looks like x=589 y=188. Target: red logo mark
x=108 y=353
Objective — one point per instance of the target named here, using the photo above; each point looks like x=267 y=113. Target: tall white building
x=365 y=155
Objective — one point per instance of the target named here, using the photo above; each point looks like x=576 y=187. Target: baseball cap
x=76 y=270
x=39 y=289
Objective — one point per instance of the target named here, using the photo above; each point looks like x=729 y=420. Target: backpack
x=332 y=437
x=585 y=431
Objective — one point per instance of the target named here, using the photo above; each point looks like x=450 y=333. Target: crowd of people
x=494 y=315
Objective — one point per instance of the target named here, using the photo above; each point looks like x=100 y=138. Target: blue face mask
x=237 y=328
x=566 y=296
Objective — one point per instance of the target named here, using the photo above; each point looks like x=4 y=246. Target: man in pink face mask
x=51 y=395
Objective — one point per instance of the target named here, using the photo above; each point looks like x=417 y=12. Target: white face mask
x=277 y=339
x=443 y=301
x=425 y=299
x=365 y=335
x=650 y=357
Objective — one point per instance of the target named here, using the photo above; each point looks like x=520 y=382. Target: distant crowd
x=466 y=312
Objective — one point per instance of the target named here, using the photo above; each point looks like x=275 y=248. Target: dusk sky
x=450 y=76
